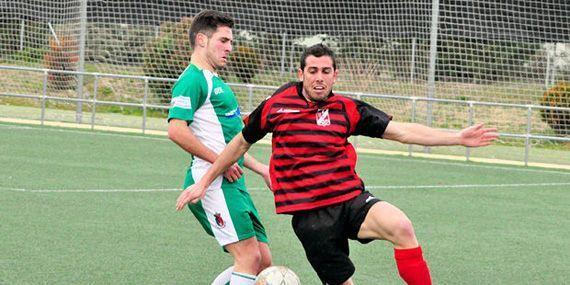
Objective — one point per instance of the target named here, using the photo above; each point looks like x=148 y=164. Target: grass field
x=82 y=207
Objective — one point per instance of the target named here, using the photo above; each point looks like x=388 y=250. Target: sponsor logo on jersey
x=233 y=113
x=323 y=118
x=218 y=90
x=219 y=221
x=181 y=102
x=284 y=110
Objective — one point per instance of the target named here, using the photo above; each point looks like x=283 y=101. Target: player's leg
x=322 y=235
x=251 y=255
x=385 y=221
x=247 y=260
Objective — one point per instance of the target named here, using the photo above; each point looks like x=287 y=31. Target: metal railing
x=144 y=105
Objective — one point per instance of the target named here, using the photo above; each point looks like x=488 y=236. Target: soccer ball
x=277 y=275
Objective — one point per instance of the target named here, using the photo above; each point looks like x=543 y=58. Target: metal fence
x=248 y=101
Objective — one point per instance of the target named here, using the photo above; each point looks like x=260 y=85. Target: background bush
x=166 y=56
x=244 y=62
x=62 y=55
x=557 y=96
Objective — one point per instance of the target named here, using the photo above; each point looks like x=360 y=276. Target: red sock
x=412 y=266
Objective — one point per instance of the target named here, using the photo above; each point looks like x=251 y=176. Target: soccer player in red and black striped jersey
x=313 y=175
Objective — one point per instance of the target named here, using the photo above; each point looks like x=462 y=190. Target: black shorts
x=324 y=233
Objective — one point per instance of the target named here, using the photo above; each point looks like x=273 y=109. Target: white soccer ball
x=277 y=275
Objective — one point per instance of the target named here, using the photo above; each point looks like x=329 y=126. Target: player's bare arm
x=179 y=133
x=233 y=151
x=257 y=167
x=411 y=133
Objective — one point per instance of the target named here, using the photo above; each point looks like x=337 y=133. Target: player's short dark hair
x=317 y=50
x=207 y=22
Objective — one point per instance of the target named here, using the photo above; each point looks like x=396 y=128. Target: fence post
x=44 y=95
x=82 y=33
x=414 y=101
x=94 y=108
x=22 y=34
x=547 y=70
x=413 y=62
x=145 y=98
x=432 y=58
x=283 y=53
x=528 y=131
x=470 y=123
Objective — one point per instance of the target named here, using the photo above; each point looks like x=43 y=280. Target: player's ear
x=201 y=40
x=300 y=74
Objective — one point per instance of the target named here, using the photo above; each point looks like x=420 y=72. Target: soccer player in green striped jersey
x=204 y=116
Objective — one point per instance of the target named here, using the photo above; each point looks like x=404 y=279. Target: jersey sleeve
x=372 y=122
x=187 y=96
x=256 y=126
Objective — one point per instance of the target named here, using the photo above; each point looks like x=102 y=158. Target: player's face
x=219 y=46
x=318 y=77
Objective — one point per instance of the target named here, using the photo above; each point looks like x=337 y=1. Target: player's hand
x=477 y=135
x=233 y=173
x=192 y=194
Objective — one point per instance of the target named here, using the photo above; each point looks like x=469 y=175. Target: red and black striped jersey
x=312 y=162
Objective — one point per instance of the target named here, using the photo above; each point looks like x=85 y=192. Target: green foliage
x=470 y=59
x=35 y=39
x=63 y=55
x=559 y=97
x=167 y=56
x=117 y=43
x=29 y=55
x=244 y=62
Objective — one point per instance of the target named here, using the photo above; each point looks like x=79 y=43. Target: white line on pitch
x=12 y=189
x=101 y=190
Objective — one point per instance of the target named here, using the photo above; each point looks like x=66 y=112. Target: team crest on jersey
x=219 y=221
x=323 y=118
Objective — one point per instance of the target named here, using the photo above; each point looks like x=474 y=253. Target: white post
x=432 y=58
x=292 y=55
x=432 y=62
x=413 y=62
x=145 y=100
x=94 y=103
x=470 y=122
x=283 y=52
x=22 y=34
x=527 y=141
x=547 y=71
x=82 y=33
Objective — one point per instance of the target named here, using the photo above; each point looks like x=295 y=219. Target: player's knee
x=403 y=232
x=265 y=262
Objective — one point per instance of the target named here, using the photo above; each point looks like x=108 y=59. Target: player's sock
x=412 y=266
x=224 y=277
x=242 y=279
